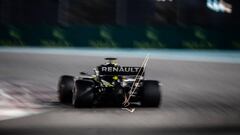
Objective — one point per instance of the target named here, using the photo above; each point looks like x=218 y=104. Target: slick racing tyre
x=65 y=87
x=83 y=94
x=151 y=94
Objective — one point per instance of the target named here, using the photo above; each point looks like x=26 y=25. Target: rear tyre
x=83 y=94
x=65 y=87
x=151 y=94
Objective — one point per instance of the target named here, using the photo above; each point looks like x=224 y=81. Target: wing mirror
x=96 y=71
x=83 y=73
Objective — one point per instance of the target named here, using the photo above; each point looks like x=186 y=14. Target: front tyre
x=151 y=94
x=83 y=94
x=65 y=87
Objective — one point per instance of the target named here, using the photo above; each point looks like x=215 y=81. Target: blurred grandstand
x=198 y=24
x=123 y=12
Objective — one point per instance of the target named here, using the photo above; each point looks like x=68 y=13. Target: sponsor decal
x=120 y=69
x=111 y=70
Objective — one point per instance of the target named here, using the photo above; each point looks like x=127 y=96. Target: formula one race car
x=112 y=85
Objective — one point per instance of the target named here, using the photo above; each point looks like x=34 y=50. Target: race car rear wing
x=117 y=70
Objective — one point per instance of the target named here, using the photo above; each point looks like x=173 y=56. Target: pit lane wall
x=120 y=37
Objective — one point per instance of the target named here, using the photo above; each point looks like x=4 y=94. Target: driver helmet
x=111 y=61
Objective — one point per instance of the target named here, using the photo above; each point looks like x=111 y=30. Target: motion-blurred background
x=192 y=24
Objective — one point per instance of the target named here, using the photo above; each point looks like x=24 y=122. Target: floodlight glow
x=219 y=6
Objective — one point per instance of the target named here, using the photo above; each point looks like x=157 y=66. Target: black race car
x=112 y=85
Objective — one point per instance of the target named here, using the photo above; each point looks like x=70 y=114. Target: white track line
x=9 y=108
x=218 y=56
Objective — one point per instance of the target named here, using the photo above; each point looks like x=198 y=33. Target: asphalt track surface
x=198 y=98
